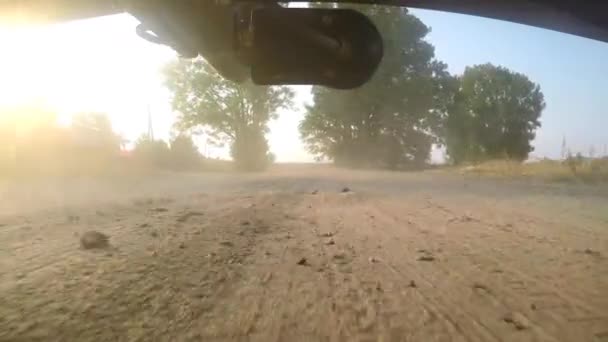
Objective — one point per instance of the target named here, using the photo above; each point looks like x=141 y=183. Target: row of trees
x=411 y=104
x=31 y=141
x=180 y=154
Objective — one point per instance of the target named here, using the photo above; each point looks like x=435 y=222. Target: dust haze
x=303 y=252
x=109 y=237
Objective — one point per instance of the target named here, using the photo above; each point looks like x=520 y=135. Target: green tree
x=394 y=119
x=149 y=152
x=225 y=111
x=183 y=153
x=495 y=114
x=93 y=131
x=250 y=150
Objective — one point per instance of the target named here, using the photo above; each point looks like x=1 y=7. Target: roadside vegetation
x=413 y=104
x=229 y=114
x=33 y=144
x=484 y=120
x=571 y=170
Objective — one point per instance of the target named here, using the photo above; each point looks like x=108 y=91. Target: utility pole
x=564 y=152
x=150 y=129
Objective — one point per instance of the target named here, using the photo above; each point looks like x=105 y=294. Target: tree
x=92 y=131
x=225 y=111
x=183 y=153
x=495 y=114
x=250 y=151
x=394 y=119
x=149 y=152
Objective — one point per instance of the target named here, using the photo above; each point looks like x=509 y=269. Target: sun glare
x=101 y=65
x=95 y=65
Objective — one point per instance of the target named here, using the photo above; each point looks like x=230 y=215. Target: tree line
x=32 y=142
x=411 y=105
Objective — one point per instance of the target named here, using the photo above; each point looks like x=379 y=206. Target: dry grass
x=588 y=171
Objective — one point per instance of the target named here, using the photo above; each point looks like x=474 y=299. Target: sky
x=100 y=64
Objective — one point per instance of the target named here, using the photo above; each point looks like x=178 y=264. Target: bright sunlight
x=89 y=65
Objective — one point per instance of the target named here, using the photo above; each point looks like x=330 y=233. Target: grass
x=587 y=171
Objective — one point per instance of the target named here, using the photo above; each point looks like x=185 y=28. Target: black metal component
x=194 y=28
x=336 y=48
x=274 y=45
x=269 y=43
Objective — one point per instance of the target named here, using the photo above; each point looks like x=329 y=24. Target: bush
x=570 y=170
x=151 y=153
x=183 y=154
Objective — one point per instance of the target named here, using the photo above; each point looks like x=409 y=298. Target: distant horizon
x=102 y=65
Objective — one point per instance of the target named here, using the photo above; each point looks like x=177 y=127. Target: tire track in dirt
x=412 y=265
x=258 y=265
x=476 y=230
x=506 y=297
x=461 y=294
x=535 y=249
x=135 y=278
x=58 y=241
x=457 y=320
x=436 y=312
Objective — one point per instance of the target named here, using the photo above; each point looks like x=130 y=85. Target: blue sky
x=572 y=72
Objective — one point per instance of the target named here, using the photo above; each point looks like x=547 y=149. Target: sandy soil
x=287 y=256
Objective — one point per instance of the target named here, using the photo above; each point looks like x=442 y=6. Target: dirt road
x=288 y=256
